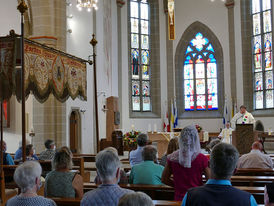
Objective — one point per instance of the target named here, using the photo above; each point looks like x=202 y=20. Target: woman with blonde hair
x=186 y=164
x=173 y=145
x=61 y=182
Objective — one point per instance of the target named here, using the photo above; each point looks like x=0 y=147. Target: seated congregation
x=193 y=178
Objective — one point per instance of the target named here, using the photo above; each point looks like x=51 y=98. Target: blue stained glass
x=145 y=57
x=188 y=49
x=211 y=58
x=194 y=54
x=188 y=60
x=210 y=48
x=205 y=53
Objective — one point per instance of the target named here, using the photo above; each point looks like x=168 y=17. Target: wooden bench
x=258 y=181
x=76 y=202
x=159 y=192
x=254 y=172
x=164 y=192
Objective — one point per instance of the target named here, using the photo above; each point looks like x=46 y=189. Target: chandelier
x=88 y=4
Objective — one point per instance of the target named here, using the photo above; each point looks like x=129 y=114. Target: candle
x=132 y=127
x=155 y=127
x=205 y=136
x=149 y=128
x=269 y=131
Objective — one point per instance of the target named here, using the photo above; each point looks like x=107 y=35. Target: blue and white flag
x=225 y=116
x=175 y=114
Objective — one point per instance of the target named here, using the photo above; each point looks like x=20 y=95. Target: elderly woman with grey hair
x=27 y=177
x=187 y=165
x=136 y=199
x=109 y=192
x=61 y=182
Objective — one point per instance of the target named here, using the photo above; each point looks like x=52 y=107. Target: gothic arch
x=189 y=34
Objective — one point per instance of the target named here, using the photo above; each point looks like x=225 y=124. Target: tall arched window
x=261 y=14
x=140 y=56
x=200 y=75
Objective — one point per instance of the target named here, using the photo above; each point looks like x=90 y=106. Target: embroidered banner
x=47 y=70
x=7 y=67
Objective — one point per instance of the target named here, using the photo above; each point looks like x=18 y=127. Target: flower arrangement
x=199 y=128
x=130 y=138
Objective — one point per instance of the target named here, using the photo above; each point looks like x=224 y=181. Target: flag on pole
x=175 y=114
x=166 y=120
x=171 y=116
x=225 y=116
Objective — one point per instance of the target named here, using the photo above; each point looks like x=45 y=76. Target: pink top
x=186 y=178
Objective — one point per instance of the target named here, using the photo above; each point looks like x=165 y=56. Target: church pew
x=258 y=181
x=66 y=201
x=159 y=192
x=76 y=202
x=164 y=192
x=254 y=172
x=166 y=203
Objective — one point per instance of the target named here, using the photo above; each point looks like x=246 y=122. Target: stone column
x=233 y=86
x=49 y=27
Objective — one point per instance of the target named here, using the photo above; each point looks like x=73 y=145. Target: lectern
x=243 y=137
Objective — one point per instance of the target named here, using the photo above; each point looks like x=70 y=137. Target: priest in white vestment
x=242 y=117
x=226 y=134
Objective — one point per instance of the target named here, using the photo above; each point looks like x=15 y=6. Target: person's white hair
x=26 y=174
x=189 y=145
x=135 y=199
x=107 y=163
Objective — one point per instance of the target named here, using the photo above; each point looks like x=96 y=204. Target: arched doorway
x=75 y=131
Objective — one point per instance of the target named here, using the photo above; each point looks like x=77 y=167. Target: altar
x=161 y=140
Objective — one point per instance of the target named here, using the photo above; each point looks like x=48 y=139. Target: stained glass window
x=262 y=54
x=200 y=75
x=140 y=55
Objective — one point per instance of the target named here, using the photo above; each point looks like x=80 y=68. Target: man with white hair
x=109 y=192
x=27 y=177
x=255 y=158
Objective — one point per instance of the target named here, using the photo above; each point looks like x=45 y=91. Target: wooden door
x=74 y=132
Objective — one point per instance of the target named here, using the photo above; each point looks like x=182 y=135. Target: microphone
x=239 y=118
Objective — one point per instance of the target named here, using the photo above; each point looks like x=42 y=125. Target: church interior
x=139 y=66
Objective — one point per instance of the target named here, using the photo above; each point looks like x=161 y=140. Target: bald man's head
x=257 y=145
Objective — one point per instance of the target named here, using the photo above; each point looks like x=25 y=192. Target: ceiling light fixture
x=88 y=4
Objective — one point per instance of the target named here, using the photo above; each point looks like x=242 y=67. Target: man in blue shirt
x=218 y=190
x=7 y=159
x=18 y=153
x=135 y=156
